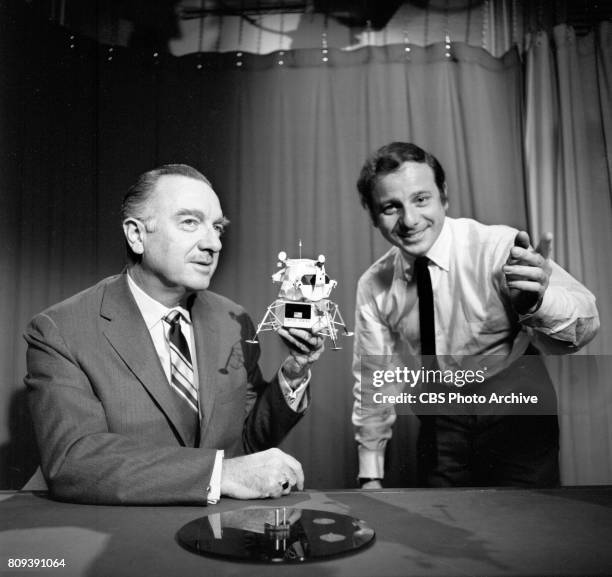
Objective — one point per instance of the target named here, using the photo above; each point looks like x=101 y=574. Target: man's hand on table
x=270 y=473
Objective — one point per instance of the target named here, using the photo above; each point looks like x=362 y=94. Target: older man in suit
x=142 y=388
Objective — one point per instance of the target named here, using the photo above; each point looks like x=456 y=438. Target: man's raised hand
x=305 y=347
x=527 y=271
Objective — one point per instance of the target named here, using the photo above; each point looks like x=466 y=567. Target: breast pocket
x=230 y=381
x=231 y=392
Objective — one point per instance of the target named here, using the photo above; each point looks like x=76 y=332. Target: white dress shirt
x=473 y=316
x=153 y=313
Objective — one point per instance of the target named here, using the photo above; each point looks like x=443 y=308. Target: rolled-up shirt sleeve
x=567 y=319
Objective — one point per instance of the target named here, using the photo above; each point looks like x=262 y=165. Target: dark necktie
x=426 y=306
x=181 y=369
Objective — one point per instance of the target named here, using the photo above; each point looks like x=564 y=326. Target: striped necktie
x=181 y=368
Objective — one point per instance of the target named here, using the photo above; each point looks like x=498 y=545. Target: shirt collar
x=152 y=311
x=439 y=254
x=440 y=250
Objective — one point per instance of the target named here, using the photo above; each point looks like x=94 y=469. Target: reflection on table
x=562 y=532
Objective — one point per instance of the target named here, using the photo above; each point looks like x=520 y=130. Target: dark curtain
x=282 y=145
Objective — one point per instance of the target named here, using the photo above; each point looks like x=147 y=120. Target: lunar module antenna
x=303 y=299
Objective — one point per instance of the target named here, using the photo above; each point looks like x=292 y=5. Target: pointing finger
x=545 y=244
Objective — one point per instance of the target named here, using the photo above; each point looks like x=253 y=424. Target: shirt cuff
x=544 y=311
x=371 y=463
x=295 y=398
x=553 y=317
x=214 y=489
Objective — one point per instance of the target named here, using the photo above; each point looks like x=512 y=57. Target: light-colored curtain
x=568 y=140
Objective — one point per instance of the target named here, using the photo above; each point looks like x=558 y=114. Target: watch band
x=364 y=480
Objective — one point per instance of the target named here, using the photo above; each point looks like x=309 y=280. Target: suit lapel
x=129 y=336
x=206 y=337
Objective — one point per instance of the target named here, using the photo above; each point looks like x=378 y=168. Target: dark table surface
x=463 y=532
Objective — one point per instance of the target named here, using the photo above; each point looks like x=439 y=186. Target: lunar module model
x=303 y=299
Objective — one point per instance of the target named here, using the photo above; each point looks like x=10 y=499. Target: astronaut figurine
x=303 y=300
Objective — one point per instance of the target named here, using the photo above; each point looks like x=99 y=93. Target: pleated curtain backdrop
x=568 y=140
x=282 y=138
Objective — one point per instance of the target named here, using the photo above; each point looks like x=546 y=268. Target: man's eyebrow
x=190 y=212
x=223 y=221
x=420 y=192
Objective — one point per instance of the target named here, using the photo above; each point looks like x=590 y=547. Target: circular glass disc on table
x=275 y=535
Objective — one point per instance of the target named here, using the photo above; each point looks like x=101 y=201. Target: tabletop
x=429 y=532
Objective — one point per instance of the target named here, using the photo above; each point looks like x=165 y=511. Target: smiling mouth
x=412 y=236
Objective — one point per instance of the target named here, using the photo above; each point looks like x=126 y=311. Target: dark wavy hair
x=388 y=159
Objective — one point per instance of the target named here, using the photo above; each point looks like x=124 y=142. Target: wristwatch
x=364 y=480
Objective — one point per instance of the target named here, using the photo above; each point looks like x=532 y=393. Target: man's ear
x=445 y=203
x=134 y=231
x=373 y=212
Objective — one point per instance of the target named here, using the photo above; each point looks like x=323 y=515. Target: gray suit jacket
x=106 y=420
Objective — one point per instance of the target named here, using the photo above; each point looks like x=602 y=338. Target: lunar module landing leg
x=323 y=316
x=272 y=320
x=332 y=321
